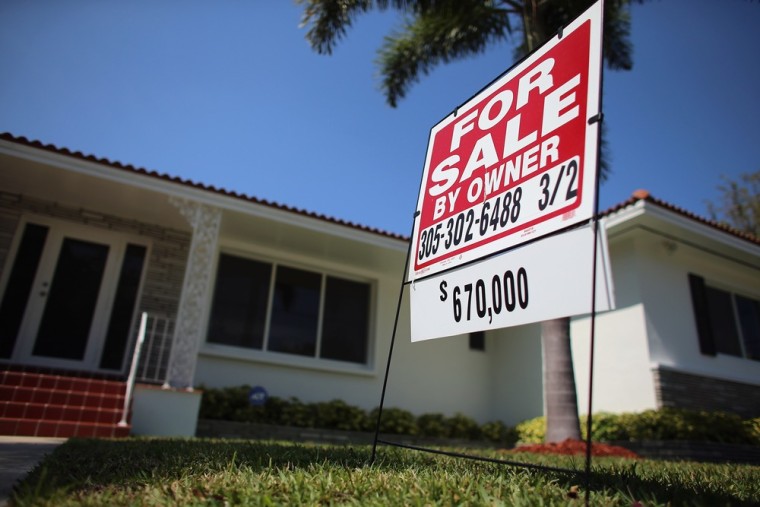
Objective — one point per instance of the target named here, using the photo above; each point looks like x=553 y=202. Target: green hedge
x=662 y=424
x=232 y=404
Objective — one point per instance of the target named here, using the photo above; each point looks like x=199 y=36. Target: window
x=238 y=312
x=727 y=323
x=276 y=308
x=295 y=311
x=478 y=340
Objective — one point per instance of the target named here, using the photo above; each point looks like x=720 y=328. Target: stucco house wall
x=436 y=376
x=647 y=352
x=515 y=379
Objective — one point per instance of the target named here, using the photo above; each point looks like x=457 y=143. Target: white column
x=193 y=304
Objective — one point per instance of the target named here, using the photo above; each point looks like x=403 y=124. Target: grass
x=237 y=472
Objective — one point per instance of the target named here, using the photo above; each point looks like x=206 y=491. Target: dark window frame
x=325 y=276
x=713 y=301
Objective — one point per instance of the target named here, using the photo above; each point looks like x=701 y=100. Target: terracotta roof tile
x=154 y=174
x=644 y=195
x=638 y=195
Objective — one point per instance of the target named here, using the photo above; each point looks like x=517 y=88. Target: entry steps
x=36 y=402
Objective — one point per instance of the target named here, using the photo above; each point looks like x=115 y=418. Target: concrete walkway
x=18 y=456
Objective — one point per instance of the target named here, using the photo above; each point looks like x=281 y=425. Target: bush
x=605 y=427
x=662 y=424
x=463 y=427
x=531 y=431
x=397 y=421
x=433 y=425
x=340 y=415
x=300 y=415
x=753 y=429
x=680 y=424
x=273 y=412
x=227 y=403
x=499 y=433
x=232 y=404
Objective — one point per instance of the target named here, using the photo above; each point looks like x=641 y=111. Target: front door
x=70 y=297
x=67 y=300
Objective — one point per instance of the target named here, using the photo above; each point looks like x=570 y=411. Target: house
x=686 y=331
x=239 y=290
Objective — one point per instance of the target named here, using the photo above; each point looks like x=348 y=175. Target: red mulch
x=577 y=447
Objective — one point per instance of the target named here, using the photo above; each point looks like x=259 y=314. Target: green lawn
x=233 y=472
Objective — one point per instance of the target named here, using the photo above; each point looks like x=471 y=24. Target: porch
x=53 y=402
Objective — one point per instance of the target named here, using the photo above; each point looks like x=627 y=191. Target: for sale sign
x=518 y=160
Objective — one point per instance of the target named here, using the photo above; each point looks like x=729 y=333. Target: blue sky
x=228 y=93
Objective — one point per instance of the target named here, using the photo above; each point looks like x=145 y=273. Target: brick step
x=60 y=429
x=39 y=395
x=50 y=412
x=62 y=382
x=53 y=403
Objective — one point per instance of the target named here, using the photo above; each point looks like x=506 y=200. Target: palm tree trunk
x=560 y=399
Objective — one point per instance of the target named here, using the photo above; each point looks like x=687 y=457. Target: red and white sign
x=518 y=160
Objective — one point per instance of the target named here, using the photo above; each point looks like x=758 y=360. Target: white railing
x=150 y=357
x=154 y=358
x=133 y=369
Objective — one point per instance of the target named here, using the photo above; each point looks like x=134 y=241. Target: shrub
x=605 y=427
x=532 y=431
x=340 y=415
x=397 y=421
x=273 y=412
x=232 y=404
x=680 y=424
x=461 y=426
x=753 y=429
x=499 y=433
x=298 y=414
x=226 y=403
x=433 y=425
x=662 y=424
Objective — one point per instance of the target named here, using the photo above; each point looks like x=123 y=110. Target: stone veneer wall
x=168 y=250
x=695 y=392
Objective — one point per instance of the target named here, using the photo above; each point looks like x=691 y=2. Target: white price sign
x=548 y=279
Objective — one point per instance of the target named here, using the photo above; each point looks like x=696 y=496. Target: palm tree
x=435 y=32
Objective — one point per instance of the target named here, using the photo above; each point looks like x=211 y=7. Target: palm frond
x=439 y=31
x=617 y=49
x=456 y=30
x=329 y=20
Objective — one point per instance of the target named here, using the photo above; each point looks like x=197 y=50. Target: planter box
x=158 y=411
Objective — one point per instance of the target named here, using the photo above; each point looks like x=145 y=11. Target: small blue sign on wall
x=258 y=396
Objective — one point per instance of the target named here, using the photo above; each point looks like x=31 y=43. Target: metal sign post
x=514 y=166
